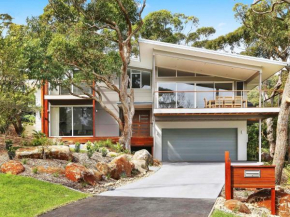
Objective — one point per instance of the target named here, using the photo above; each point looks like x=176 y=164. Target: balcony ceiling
x=233 y=66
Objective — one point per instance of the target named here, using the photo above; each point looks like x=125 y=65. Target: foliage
x=17 y=101
x=40 y=139
x=24 y=161
x=90 y=149
x=170 y=27
x=35 y=170
x=118 y=148
x=77 y=147
x=43 y=196
x=96 y=146
x=104 y=152
x=8 y=144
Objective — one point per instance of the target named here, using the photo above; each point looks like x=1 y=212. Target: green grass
x=219 y=213
x=26 y=197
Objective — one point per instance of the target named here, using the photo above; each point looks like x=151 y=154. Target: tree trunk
x=270 y=136
x=18 y=126
x=282 y=132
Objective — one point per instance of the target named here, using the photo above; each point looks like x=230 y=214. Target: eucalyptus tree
x=88 y=44
x=16 y=93
x=176 y=28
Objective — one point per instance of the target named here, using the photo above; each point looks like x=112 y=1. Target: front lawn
x=26 y=197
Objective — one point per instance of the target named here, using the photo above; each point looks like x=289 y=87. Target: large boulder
x=77 y=173
x=284 y=205
x=103 y=168
x=13 y=167
x=120 y=165
x=236 y=205
x=140 y=165
x=30 y=152
x=144 y=155
x=60 y=152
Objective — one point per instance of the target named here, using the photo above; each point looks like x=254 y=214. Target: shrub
x=77 y=147
x=25 y=143
x=11 y=153
x=24 y=161
x=108 y=143
x=35 y=170
x=40 y=139
x=104 y=152
x=8 y=144
x=96 y=146
x=90 y=149
x=118 y=147
x=56 y=174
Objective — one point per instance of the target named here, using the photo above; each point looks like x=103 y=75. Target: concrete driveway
x=178 y=180
x=176 y=190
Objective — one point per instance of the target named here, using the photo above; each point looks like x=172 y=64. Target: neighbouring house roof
x=204 y=61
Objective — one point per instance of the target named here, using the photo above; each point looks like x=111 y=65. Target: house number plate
x=252 y=174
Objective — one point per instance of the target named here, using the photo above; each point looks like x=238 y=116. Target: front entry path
x=177 y=189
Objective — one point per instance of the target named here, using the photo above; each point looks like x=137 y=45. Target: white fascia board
x=216 y=110
x=202 y=50
x=63 y=97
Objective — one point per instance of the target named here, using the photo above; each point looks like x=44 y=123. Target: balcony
x=214 y=101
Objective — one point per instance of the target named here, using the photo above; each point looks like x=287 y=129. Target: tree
x=88 y=45
x=16 y=93
x=174 y=28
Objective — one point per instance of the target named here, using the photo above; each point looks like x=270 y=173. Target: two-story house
x=191 y=104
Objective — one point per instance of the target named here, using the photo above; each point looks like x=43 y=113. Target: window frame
x=141 y=81
x=71 y=106
x=194 y=74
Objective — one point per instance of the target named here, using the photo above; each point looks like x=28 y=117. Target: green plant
x=77 y=147
x=23 y=135
x=56 y=174
x=24 y=161
x=61 y=143
x=123 y=175
x=104 y=152
x=35 y=170
x=39 y=139
x=96 y=146
x=90 y=149
x=25 y=143
x=8 y=144
x=38 y=134
x=108 y=143
x=127 y=151
x=11 y=152
x=118 y=147
x=108 y=176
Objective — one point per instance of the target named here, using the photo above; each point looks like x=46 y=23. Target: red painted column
x=45 y=107
x=228 y=181
x=273 y=204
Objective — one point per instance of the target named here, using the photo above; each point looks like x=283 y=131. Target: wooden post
x=94 y=110
x=273 y=196
x=228 y=181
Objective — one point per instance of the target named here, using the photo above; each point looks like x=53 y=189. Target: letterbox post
x=273 y=196
x=228 y=175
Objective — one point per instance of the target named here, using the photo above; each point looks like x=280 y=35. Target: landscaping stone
x=156 y=163
x=50 y=170
x=77 y=173
x=30 y=152
x=103 y=168
x=284 y=206
x=140 y=165
x=60 y=152
x=236 y=205
x=120 y=165
x=74 y=172
x=13 y=167
x=144 y=155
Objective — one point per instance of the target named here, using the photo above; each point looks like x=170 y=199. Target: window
x=139 y=79
x=167 y=99
x=185 y=99
x=205 y=92
x=224 y=89
x=163 y=72
x=71 y=121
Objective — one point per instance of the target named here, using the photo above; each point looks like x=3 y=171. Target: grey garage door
x=198 y=144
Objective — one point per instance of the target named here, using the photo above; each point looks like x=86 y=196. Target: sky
x=215 y=13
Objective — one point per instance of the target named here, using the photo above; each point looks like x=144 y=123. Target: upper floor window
x=139 y=79
x=164 y=72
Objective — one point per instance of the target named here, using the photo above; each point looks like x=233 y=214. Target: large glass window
x=136 y=79
x=167 y=99
x=204 y=93
x=185 y=99
x=224 y=89
x=71 y=121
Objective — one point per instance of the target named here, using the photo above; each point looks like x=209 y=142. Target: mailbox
x=249 y=176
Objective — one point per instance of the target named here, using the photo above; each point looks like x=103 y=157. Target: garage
x=198 y=144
